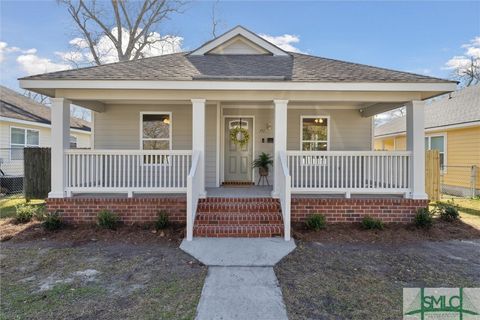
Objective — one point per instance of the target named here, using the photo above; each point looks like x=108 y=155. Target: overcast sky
x=424 y=37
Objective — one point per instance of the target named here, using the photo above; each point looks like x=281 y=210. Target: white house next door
x=238 y=158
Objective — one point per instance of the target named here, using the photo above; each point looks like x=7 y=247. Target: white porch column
x=416 y=144
x=198 y=138
x=280 y=140
x=60 y=137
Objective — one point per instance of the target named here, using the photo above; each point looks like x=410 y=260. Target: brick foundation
x=130 y=210
x=353 y=210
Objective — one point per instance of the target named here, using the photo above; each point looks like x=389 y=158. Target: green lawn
x=7 y=205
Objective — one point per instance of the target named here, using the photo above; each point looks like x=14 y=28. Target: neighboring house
x=452 y=126
x=26 y=123
x=178 y=124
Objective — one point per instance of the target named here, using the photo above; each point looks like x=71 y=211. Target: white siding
x=15 y=167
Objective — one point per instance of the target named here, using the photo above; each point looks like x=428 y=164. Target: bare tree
x=37 y=97
x=468 y=73
x=215 y=19
x=127 y=24
x=80 y=112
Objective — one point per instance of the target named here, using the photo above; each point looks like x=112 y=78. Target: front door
x=238 y=158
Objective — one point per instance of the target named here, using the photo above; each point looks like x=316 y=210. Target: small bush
x=316 y=222
x=448 y=211
x=423 y=218
x=40 y=213
x=52 y=221
x=449 y=214
x=107 y=219
x=162 y=220
x=24 y=213
x=371 y=223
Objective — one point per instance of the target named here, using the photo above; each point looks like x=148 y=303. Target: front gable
x=239 y=41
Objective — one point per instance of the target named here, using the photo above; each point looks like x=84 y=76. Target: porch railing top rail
x=350 y=153
x=129 y=152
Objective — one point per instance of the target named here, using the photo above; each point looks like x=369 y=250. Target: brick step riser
x=239 y=231
x=238 y=200
x=237 y=222
x=237 y=235
x=238 y=211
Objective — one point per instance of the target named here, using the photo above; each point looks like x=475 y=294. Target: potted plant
x=262 y=162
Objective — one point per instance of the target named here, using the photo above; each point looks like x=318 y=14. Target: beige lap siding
x=348 y=130
x=130 y=210
x=353 y=210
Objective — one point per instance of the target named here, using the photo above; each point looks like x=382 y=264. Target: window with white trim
x=156 y=131
x=315 y=133
x=437 y=143
x=21 y=138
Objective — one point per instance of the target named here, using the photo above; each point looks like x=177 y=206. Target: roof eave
x=428 y=89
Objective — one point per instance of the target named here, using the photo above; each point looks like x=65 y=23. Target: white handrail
x=193 y=194
x=284 y=187
x=126 y=171
x=350 y=171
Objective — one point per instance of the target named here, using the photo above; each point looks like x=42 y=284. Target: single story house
x=179 y=132
x=452 y=126
x=26 y=123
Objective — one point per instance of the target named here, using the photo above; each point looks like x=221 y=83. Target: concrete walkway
x=241 y=283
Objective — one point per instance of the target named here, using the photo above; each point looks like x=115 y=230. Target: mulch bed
x=78 y=235
x=391 y=234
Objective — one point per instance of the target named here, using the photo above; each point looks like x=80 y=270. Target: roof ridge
x=371 y=66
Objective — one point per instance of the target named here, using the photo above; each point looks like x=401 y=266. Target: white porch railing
x=193 y=194
x=284 y=186
x=349 y=171
x=126 y=171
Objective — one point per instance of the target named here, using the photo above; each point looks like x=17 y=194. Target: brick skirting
x=353 y=210
x=130 y=210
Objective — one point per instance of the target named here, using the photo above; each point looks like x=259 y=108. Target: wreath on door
x=239 y=135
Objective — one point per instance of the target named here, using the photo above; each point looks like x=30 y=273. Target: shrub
x=162 y=220
x=448 y=211
x=316 y=222
x=24 y=213
x=371 y=223
x=52 y=221
x=107 y=219
x=423 y=218
x=40 y=213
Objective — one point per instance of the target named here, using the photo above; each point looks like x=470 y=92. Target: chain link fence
x=460 y=181
x=11 y=172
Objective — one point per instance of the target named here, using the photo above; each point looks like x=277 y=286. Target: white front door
x=238 y=159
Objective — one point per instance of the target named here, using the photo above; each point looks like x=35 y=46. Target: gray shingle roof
x=184 y=67
x=16 y=106
x=460 y=107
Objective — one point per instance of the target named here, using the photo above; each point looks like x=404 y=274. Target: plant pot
x=263 y=171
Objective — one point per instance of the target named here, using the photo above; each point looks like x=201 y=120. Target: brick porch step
x=246 y=231
x=233 y=218
x=238 y=217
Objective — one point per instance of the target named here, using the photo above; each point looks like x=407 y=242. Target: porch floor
x=240 y=192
